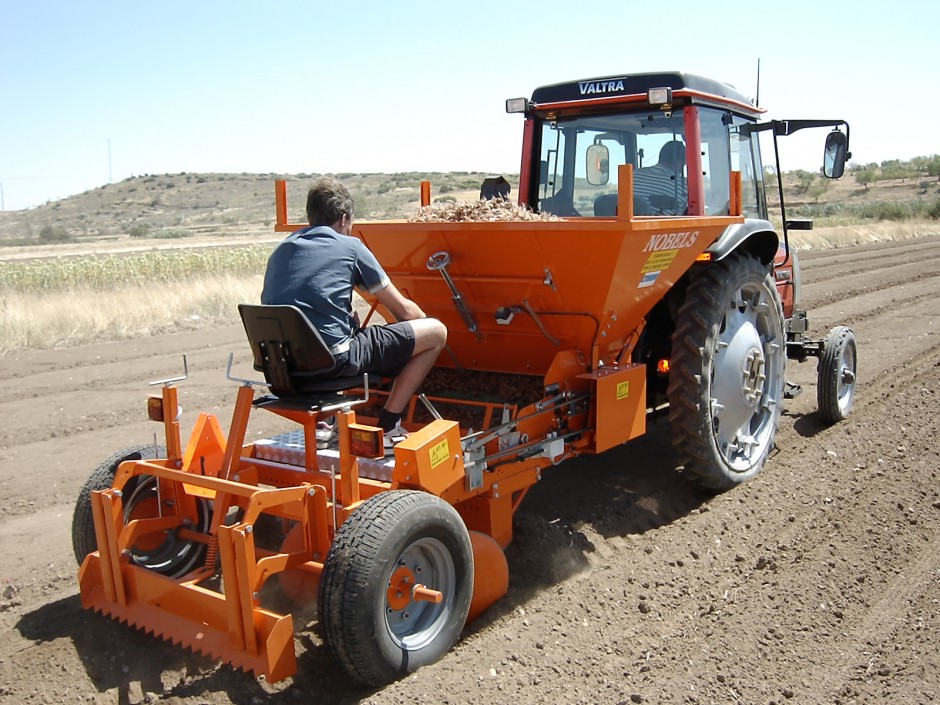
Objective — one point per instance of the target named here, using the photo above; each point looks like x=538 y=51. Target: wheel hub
x=415 y=612
x=754 y=375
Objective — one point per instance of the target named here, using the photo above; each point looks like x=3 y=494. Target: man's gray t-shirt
x=316 y=269
x=657 y=180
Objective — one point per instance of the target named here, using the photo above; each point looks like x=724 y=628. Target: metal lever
x=171 y=380
x=438 y=262
x=430 y=407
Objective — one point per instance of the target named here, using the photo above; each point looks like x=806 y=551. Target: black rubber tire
x=729 y=343
x=372 y=642
x=838 y=365
x=175 y=558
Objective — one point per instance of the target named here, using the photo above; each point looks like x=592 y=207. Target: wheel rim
x=161 y=552
x=845 y=378
x=412 y=623
x=746 y=377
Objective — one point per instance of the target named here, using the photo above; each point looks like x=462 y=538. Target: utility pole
x=3 y=205
x=109 y=161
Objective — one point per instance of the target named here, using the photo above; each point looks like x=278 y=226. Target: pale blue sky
x=359 y=86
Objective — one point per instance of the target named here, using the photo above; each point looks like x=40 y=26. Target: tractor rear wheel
x=727 y=371
x=373 y=621
x=163 y=553
x=835 y=384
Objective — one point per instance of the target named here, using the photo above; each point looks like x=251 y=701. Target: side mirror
x=598 y=165
x=835 y=155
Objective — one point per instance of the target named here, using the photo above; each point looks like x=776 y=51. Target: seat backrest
x=605 y=205
x=286 y=347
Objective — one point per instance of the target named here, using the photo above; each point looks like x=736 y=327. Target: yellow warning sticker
x=623 y=390
x=658 y=261
x=439 y=453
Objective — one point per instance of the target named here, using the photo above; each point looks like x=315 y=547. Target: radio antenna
x=757 y=99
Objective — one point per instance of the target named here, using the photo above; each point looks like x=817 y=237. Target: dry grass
x=142 y=287
x=56 y=319
x=63 y=319
x=828 y=237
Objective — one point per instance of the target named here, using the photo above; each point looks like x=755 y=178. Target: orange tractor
x=657 y=288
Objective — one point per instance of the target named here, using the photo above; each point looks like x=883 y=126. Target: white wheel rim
x=845 y=381
x=745 y=378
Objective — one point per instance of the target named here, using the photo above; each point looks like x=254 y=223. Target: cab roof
x=633 y=88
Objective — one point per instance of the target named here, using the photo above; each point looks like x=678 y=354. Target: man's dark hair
x=327 y=200
x=672 y=154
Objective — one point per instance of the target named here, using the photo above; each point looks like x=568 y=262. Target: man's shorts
x=383 y=350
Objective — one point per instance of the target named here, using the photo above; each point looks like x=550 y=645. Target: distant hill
x=141 y=211
x=170 y=206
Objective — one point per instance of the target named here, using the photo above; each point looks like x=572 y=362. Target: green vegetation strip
x=110 y=272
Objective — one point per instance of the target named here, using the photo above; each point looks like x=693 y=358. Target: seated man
x=317 y=268
x=661 y=189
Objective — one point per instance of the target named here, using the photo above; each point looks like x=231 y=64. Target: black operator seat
x=296 y=362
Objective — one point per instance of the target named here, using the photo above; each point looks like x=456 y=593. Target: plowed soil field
x=817 y=582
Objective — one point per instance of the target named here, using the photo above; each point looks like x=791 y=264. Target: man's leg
x=430 y=337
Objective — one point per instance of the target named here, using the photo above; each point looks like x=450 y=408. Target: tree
x=805 y=180
x=865 y=176
x=817 y=189
x=933 y=166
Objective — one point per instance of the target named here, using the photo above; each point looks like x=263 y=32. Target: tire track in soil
x=814 y=299
x=867 y=602
x=109 y=389
x=801 y=535
x=865 y=260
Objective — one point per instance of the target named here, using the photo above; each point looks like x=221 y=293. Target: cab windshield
x=579 y=160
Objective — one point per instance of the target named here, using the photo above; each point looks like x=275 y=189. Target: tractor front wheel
x=376 y=620
x=835 y=387
x=727 y=372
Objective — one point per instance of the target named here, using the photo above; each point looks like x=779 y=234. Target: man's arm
x=402 y=308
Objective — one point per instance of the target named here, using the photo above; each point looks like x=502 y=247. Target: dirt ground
x=817 y=582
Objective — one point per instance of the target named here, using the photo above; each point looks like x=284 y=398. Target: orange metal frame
x=578 y=317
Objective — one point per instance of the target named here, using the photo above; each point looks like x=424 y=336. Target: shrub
x=54 y=233
x=933 y=210
x=170 y=234
x=138 y=230
x=887 y=210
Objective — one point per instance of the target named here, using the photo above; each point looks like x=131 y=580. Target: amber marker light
x=366 y=441
x=704 y=257
x=155 y=408
x=663 y=367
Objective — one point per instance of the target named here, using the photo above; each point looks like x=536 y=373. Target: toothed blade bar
x=196 y=618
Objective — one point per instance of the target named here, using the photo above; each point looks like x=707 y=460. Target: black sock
x=389 y=419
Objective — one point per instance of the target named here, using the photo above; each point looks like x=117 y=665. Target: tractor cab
x=686 y=138
x=682 y=134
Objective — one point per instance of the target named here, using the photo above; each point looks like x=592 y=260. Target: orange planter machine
x=630 y=302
